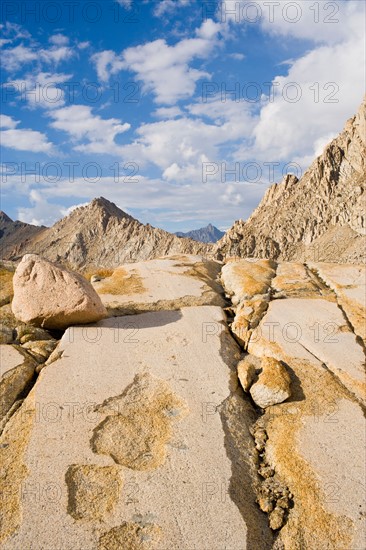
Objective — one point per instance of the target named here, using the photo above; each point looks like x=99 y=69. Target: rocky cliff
x=319 y=217
x=102 y=235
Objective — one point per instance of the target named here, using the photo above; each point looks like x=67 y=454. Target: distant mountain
x=209 y=234
x=100 y=235
x=14 y=233
x=320 y=217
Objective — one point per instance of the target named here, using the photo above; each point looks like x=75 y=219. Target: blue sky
x=182 y=112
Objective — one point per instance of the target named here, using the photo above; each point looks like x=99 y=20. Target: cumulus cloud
x=7 y=122
x=322 y=88
x=164 y=7
x=164 y=70
x=179 y=147
x=14 y=58
x=81 y=124
x=41 y=89
x=59 y=39
x=23 y=139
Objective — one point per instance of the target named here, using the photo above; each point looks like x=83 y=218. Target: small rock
x=50 y=296
x=283 y=502
x=276 y=518
x=265 y=471
x=6 y=335
x=265 y=504
x=41 y=349
x=28 y=333
x=246 y=373
x=273 y=384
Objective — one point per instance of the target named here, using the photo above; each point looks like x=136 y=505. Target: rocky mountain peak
x=4 y=218
x=105 y=208
x=299 y=218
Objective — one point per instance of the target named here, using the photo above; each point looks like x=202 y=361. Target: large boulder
x=50 y=296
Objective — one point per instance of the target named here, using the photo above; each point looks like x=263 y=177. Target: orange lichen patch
x=121 y=282
x=139 y=423
x=274 y=374
x=255 y=278
x=93 y=490
x=309 y=524
x=131 y=536
x=13 y=471
x=356 y=315
x=245 y=279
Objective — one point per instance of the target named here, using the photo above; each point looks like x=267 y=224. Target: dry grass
x=101 y=272
x=121 y=282
x=6 y=285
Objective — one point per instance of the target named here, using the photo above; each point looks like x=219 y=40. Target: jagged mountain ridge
x=319 y=217
x=102 y=235
x=208 y=234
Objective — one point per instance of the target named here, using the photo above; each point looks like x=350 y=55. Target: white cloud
x=163 y=69
x=169 y=6
x=7 y=122
x=12 y=32
x=179 y=147
x=59 y=39
x=330 y=80
x=127 y=4
x=83 y=45
x=329 y=77
x=237 y=56
x=167 y=112
x=41 y=90
x=28 y=51
x=80 y=123
x=14 y=58
x=107 y=63
x=22 y=139
x=330 y=22
x=41 y=212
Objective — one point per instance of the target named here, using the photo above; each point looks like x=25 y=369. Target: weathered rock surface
x=138 y=435
x=169 y=283
x=153 y=398
x=319 y=218
x=312 y=446
x=349 y=284
x=50 y=296
x=17 y=369
x=313 y=330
